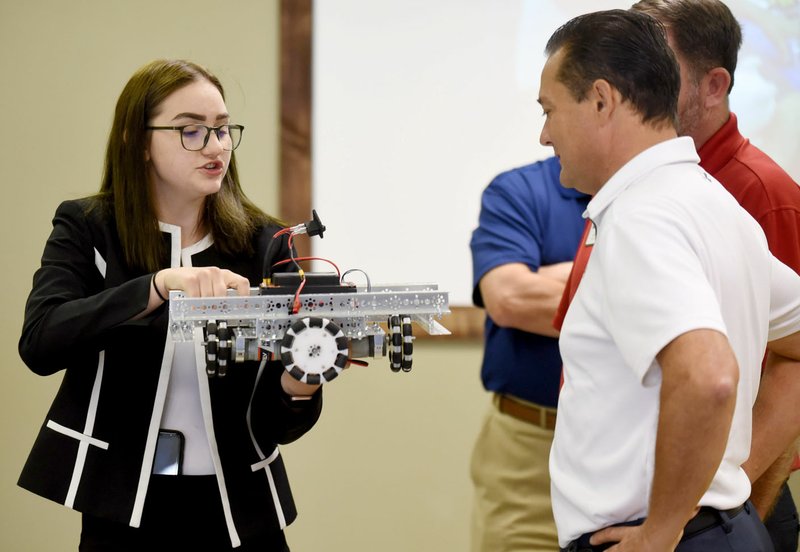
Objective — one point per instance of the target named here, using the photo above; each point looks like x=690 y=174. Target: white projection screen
x=417 y=104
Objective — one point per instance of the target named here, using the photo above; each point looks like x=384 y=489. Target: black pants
x=180 y=513
x=742 y=532
x=782 y=523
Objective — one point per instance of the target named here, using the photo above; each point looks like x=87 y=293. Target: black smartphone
x=169 y=453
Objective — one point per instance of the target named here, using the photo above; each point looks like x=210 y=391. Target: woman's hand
x=201 y=281
x=297 y=389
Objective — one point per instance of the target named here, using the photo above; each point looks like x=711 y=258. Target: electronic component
x=312 y=322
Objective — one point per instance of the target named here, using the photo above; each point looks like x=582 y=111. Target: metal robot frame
x=318 y=339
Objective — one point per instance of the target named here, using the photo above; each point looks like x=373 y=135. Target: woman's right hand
x=201 y=281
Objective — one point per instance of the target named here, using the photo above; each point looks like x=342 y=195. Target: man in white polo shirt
x=663 y=342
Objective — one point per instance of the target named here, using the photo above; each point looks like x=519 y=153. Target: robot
x=315 y=323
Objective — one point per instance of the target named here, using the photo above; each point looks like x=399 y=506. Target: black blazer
x=94 y=451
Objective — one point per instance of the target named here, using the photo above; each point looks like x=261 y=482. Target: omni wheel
x=314 y=350
x=408 y=343
x=224 y=350
x=211 y=349
x=395 y=344
x=218 y=348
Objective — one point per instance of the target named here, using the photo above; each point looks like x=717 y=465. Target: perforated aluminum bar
x=267 y=317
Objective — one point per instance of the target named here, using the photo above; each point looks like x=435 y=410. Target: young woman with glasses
x=156 y=455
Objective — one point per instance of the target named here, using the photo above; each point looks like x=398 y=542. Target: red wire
x=296 y=304
x=309 y=259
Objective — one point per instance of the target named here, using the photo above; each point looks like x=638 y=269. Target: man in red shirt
x=705 y=38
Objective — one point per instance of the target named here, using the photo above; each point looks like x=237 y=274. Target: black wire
x=293 y=252
x=369 y=285
x=275 y=241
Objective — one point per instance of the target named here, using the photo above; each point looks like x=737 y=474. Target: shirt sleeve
x=275 y=417
x=655 y=287
x=508 y=232
x=68 y=311
x=784 y=316
x=782 y=228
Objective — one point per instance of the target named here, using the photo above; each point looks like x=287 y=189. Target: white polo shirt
x=674 y=252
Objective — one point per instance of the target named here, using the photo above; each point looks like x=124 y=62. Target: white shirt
x=674 y=252
x=183 y=410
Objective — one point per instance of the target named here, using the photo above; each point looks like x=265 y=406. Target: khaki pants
x=511 y=507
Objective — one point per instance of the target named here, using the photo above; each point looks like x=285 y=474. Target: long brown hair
x=229 y=214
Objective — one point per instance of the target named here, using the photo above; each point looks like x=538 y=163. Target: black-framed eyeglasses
x=195 y=137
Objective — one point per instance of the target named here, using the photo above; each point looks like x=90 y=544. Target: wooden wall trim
x=296 y=26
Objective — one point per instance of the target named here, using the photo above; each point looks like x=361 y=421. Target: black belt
x=706 y=518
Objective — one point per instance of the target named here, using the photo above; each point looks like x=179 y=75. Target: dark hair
x=629 y=50
x=704 y=32
x=229 y=214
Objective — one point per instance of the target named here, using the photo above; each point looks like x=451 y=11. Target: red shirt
x=760 y=186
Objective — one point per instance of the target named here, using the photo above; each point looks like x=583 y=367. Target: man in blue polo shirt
x=522 y=251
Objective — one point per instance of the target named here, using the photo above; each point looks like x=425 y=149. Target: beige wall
x=386 y=467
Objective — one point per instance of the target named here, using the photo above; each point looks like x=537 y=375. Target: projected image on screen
x=766 y=95
x=418 y=105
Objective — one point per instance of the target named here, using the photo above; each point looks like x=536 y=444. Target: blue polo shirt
x=526 y=217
